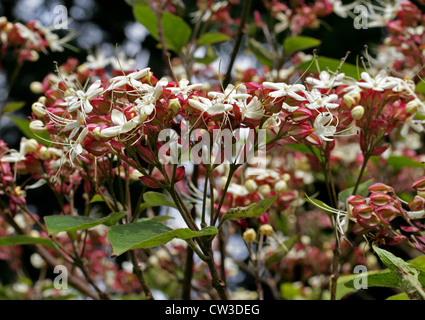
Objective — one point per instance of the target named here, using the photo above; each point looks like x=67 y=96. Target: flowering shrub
x=175 y=184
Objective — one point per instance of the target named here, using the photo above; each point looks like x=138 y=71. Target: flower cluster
x=378 y=214
x=26 y=41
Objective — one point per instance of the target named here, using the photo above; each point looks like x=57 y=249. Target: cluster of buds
x=297 y=16
x=379 y=214
x=26 y=41
x=380 y=104
x=407 y=37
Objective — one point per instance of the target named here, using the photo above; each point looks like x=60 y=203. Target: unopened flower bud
x=42 y=100
x=266 y=229
x=34 y=56
x=286 y=177
x=37 y=126
x=412 y=106
x=357 y=112
x=249 y=235
x=264 y=190
x=36 y=87
x=280 y=186
x=174 y=106
x=39 y=109
x=351 y=98
x=37 y=261
x=135 y=175
x=251 y=185
x=82 y=68
x=31 y=145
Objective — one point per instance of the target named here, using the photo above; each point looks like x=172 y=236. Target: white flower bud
x=351 y=98
x=174 y=106
x=412 y=106
x=37 y=126
x=264 y=190
x=280 y=186
x=37 y=261
x=251 y=185
x=39 y=109
x=31 y=145
x=36 y=87
x=266 y=229
x=34 y=56
x=357 y=112
x=249 y=235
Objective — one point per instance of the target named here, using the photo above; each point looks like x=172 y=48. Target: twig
x=241 y=31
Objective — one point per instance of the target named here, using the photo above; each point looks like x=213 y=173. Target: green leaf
x=23 y=240
x=176 y=31
x=350 y=70
x=251 y=211
x=406 y=274
x=288 y=291
x=97 y=198
x=263 y=55
x=24 y=126
x=299 y=43
x=400 y=162
x=361 y=190
x=342 y=288
x=13 y=106
x=321 y=205
x=399 y=296
x=147 y=234
x=281 y=251
x=146 y=17
x=157 y=199
x=420 y=87
x=384 y=278
x=56 y=224
x=212 y=38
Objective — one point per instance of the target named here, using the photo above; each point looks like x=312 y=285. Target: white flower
x=210 y=106
x=26 y=146
x=381 y=81
x=32 y=37
x=185 y=88
x=97 y=60
x=237 y=190
x=122 y=62
x=316 y=100
x=325 y=80
x=75 y=148
x=273 y=122
x=253 y=110
x=121 y=125
x=282 y=90
x=343 y=10
x=232 y=94
x=130 y=79
x=80 y=100
x=322 y=126
x=283 y=23
x=416 y=125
